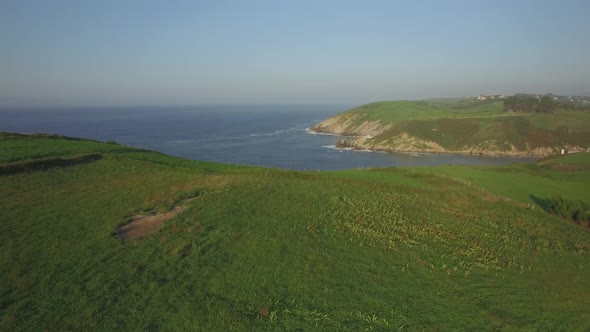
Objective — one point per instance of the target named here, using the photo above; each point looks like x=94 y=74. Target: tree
x=530 y=104
x=547 y=105
x=517 y=104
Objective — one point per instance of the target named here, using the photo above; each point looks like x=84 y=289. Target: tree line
x=531 y=104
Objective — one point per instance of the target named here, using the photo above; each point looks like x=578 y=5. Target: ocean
x=260 y=135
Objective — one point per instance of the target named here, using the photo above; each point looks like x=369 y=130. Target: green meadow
x=423 y=248
x=401 y=110
x=393 y=112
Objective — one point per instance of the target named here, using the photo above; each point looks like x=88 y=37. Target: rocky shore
x=368 y=136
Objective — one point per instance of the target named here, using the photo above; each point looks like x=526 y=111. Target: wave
x=228 y=138
x=276 y=132
x=181 y=141
x=333 y=147
x=309 y=131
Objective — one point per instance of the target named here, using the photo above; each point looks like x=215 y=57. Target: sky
x=93 y=53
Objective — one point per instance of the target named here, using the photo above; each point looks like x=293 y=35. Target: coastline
x=449 y=152
x=310 y=130
x=355 y=145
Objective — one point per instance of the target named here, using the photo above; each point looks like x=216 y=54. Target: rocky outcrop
x=399 y=143
x=347 y=125
x=368 y=127
x=389 y=137
x=342 y=124
x=407 y=143
x=342 y=144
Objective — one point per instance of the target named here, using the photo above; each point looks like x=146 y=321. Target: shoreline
x=310 y=131
x=490 y=154
x=447 y=152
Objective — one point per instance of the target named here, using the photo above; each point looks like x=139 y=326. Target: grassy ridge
x=466 y=126
x=403 y=110
x=396 y=111
x=267 y=249
x=17 y=147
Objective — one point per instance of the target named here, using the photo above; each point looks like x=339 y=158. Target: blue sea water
x=261 y=135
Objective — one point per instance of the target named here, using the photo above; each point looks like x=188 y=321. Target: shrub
x=578 y=211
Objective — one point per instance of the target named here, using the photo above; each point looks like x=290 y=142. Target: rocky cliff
x=390 y=137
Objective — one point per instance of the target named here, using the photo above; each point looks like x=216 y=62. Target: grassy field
x=442 y=248
x=395 y=111
x=22 y=147
x=404 y=110
x=460 y=125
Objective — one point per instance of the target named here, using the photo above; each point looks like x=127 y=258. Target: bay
x=260 y=135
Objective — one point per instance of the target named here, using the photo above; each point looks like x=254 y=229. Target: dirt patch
x=140 y=225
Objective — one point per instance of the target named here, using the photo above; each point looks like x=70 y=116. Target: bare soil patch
x=141 y=225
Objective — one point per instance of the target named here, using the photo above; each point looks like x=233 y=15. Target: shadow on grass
x=47 y=163
x=543 y=203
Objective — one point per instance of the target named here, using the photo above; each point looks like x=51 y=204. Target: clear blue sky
x=200 y=52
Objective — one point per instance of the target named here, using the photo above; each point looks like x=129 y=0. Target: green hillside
x=444 y=248
x=395 y=111
x=466 y=126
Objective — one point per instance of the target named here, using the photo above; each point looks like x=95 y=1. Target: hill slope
x=459 y=126
x=269 y=249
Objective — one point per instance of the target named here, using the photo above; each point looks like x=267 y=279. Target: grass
x=582 y=160
x=18 y=147
x=396 y=111
x=573 y=120
x=527 y=183
x=267 y=249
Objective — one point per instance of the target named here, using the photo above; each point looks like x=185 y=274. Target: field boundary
x=47 y=163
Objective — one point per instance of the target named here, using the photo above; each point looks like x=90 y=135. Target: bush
x=578 y=211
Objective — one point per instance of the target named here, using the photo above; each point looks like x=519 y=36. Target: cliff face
x=406 y=143
x=377 y=136
x=463 y=126
x=348 y=125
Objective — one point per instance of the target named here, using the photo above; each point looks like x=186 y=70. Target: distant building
x=484 y=97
